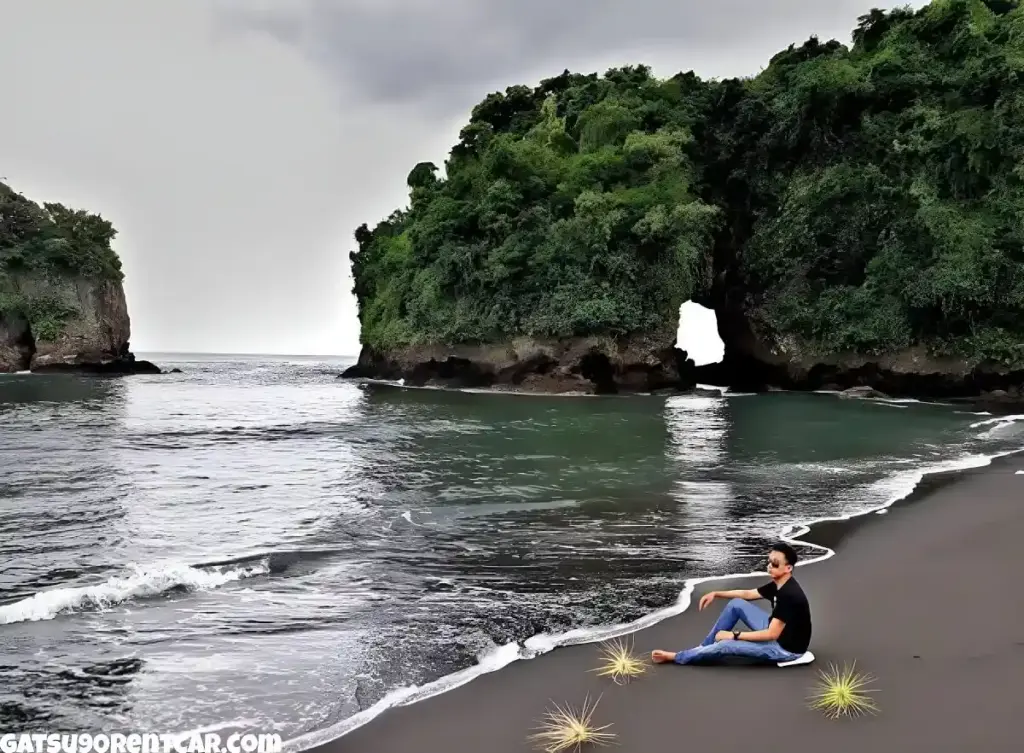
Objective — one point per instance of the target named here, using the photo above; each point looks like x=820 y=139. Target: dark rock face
x=17 y=346
x=95 y=341
x=996 y=401
x=757 y=360
x=589 y=365
x=121 y=365
x=907 y=374
x=754 y=361
x=854 y=393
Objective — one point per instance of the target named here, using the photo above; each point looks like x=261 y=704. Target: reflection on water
x=699 y=427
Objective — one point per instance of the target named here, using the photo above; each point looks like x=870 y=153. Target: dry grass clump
x=619 y=662
x=566 y=729
x=841 y=692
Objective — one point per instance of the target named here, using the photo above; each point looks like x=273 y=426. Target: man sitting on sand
x=782 y=636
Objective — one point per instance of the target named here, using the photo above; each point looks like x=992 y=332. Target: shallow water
x=256 y=543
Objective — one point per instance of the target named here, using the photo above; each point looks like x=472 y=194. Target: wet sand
x=927 y=598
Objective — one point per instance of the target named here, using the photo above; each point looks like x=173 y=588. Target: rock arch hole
x=596 y=367
x=16 y=337
x=698 y=334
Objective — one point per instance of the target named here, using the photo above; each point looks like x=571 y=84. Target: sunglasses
x=774 y=563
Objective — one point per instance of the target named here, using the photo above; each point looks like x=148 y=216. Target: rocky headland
x=851 y=214
x=62 y=303
x=599 y=365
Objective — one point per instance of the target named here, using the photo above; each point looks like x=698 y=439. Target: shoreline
x=978 y=404
x=701 y=390
x=821 y=534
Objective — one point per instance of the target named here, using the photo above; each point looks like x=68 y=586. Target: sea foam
x=139 y=582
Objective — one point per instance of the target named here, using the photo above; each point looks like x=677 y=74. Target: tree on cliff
x=863 y=199
x=54 y=238
x=47 y=243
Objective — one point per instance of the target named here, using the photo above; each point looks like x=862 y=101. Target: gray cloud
x=438 y=54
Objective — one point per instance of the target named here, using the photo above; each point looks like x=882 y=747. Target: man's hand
x=705 y=600
x=723 y=635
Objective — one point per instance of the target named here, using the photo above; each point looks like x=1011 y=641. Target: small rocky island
x=852 y=215
x=62 y=304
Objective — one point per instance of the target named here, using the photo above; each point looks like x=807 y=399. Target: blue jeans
x=709 y=652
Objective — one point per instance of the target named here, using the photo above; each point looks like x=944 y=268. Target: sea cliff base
x=594 y=365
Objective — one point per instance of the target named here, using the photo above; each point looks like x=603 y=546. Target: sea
x=255 y=544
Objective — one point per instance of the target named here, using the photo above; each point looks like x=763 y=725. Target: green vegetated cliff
x=62 y=303
x=567 y=210
x=849 y=209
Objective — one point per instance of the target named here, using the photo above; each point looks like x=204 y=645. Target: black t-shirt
x=789 y=604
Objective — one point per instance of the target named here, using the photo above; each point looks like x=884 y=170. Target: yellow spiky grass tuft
x=619 y=662
x=841 y=692
x=565 y=729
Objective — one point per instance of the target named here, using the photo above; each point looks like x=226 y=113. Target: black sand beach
x=927 y=598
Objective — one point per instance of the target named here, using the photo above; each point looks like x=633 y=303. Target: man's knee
x=736 y=603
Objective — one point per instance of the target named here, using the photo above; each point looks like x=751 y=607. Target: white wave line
x=543 y=643
x=139 y=583
x=1008 y=419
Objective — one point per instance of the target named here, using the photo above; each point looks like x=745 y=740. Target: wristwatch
x=736 y=635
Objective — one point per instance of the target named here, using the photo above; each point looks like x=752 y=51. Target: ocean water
x=255 y=544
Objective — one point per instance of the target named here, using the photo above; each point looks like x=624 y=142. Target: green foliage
x=44 y=245
x=54 y=240
x=861 y=199
x=883 y=195
x=47 y=315
x=565 y=210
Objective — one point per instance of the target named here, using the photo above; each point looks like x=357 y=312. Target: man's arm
x=748 y=594
x=751 y=594
x=771 y=634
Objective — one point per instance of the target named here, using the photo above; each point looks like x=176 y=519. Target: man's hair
x=787 y=551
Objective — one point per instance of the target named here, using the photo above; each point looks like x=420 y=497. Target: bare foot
x=660 y=657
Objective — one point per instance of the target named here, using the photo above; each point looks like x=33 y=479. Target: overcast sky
x=236 y=145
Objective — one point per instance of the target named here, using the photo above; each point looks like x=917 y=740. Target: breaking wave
x=138 y=583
